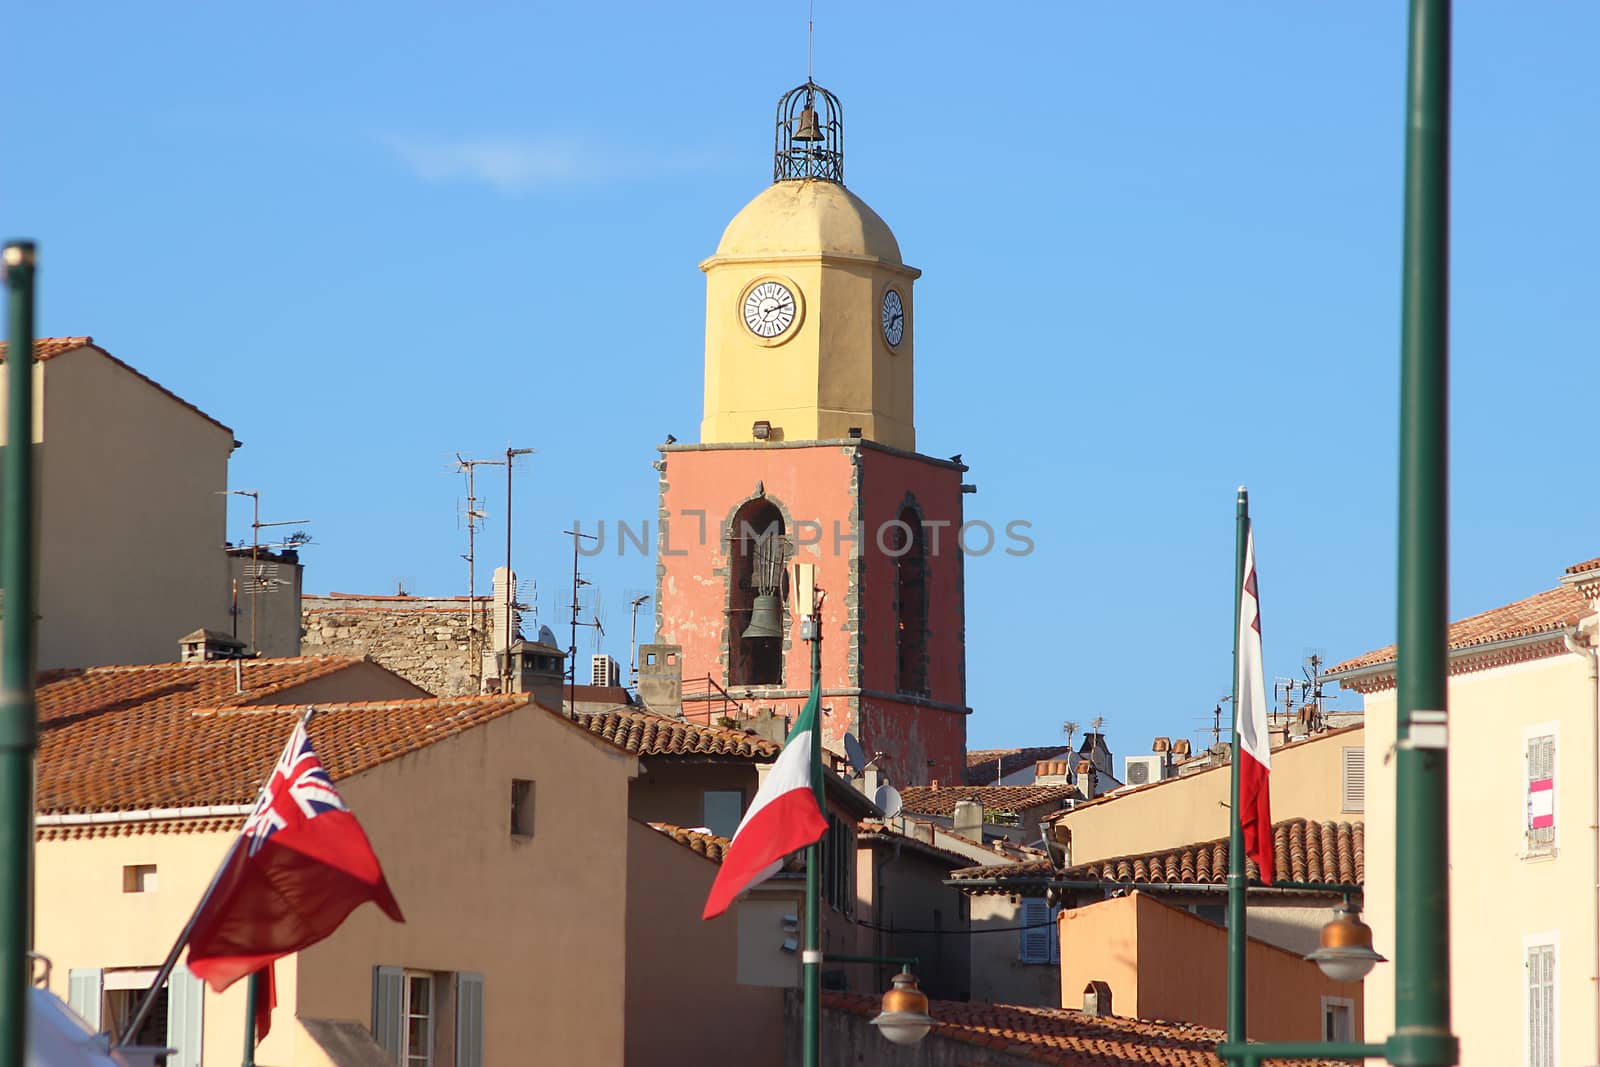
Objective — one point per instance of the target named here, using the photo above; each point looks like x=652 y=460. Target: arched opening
x=911 y=604
x=757 y=551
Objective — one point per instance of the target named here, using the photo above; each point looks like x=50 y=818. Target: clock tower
x=807 y=454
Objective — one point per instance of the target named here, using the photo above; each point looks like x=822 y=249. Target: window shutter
x=1541 y=793
x=469 y=1020
x=186 y=998
x=84 y=991
x=1355 y=779
x=388 y=991
x=1541 y=967
x=1035 y=940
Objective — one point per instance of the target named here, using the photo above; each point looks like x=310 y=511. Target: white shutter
x=186 y=999
x=1541 y=968
x=85 y=990
x=1355 y=780
x=1540 y=794
x=388 y=1010
x=469 y=1020
x=1034 y=940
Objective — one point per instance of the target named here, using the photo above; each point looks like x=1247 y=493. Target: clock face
x=769 y=310
x=894 y=318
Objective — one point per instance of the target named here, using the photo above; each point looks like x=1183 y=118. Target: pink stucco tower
x=808 y=455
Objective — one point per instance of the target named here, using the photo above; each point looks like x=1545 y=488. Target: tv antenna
x=633 y=637
x=258 y=581
x=578 y=537
x=511 y=593
x=474 y=514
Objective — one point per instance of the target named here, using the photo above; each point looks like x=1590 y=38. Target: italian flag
x=1255 y=758
x=783 y=818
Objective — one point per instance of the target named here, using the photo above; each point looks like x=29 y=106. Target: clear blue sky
x=1161 y=253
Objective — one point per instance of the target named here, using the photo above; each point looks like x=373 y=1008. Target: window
x=723 y=808
x=1338 y=1016
x=1540 y=962
x=521 y=808
x=1540 y=794
x=139 y=878
x=1355 y=780
x=911 y=603
x=108 y=999
x=411 y=1012
x=1037 y=940
x=838 y=865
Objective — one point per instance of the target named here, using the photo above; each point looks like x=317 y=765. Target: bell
x=808 y=129
x=766 y=617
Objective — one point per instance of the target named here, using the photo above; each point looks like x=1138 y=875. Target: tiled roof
x=178 y=735
x=986 y=766
x=710 y=846
x=926 y=800
x=1326 y=853
x=1586 y=565
x=1059 y=1036
x=644 y=734
x=50 y=347
x=1548 y=612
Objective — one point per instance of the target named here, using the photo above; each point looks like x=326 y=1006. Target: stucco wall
x=425 y=639
x=681 y=970
x=919 y=916
x=540 y=918
x=1499 y=900
x=1155 y=956
x=131 y=523
x=673 y=791
x=1306 y=784
x=998 y=973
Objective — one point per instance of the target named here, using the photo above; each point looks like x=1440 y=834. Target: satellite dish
x=888 y=800
x=854 y=753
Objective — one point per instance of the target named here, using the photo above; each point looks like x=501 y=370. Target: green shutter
x=469 y=1020
x=186 y=999
x=388 y=1021
x=84 y=993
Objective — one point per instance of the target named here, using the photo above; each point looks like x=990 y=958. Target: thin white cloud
x=515 y=165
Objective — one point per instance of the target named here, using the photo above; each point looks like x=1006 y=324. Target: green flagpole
x=252 y=995
x=1236 y=867
x=811 y=1040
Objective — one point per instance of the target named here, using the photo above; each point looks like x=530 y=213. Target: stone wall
x=426 y=640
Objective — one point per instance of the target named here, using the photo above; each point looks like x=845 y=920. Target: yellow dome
x=807 y=218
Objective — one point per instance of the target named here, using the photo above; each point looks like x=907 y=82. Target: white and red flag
x=1255 y=759
x=783 y=818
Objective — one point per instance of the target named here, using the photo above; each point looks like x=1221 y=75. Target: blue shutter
x=186 y=999
x=84 y=992
x=388 y=1022
x=469 y=1020
x=1035 y=940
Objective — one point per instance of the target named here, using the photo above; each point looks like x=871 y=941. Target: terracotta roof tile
x=926 y=800
x=45 y=348
x=708 y=845
x=644 y=734
x=1033 y=871
x=1058 y=1035
x=178 y=735
x=986 y=766
x=1585 y=566
x=1548 y=612
x=1326 y=853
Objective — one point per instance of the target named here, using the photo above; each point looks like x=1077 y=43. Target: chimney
x=204 y=645
x=1097 y=998
x=1052 y=772
x=934 y=784
x=968 y=821
x=661 y=679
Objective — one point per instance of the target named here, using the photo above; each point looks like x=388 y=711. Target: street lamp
x=1346 y=954
x=904 y=1019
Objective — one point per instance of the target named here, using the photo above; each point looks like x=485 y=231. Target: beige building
x=537 y=910
x=131 y=526
x=1320 y=778
x=1523 y=812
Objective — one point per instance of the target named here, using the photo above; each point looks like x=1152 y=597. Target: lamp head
x=1346 y=954
x=904 y=1019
